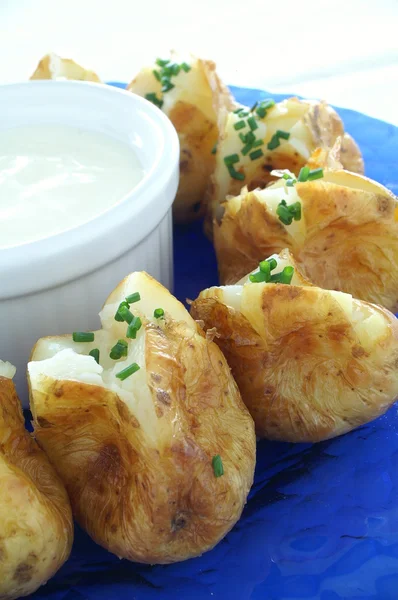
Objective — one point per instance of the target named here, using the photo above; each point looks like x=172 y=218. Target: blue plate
x=321 y=522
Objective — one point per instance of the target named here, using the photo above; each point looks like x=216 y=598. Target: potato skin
x=195 y=115
x=36 y=527
x=299 y=365
x=144 y=500
x=351 y=241
x=66 y=67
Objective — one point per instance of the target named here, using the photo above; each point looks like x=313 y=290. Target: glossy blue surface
x=321 y=521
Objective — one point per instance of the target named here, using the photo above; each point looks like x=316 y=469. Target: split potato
x=36 y=527
x=142 y=456
x=346 y=236
x=53 y=66
x=311 y=364
x=254 y=142
x=192 y=95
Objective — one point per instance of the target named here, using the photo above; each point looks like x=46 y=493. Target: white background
x=345 y=51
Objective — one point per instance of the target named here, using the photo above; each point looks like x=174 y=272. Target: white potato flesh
x=7 y=369
x=191 y=87
x=61 y=358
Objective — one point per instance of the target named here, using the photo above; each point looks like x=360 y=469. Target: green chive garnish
x=258 y=143
x=83 y=336
x=162 y=62
x=122 y=375
x=124 y=312
x=235 y=174
x=273 y=143
x=251 y=121
x=256 y=154
x=167 y=86
x=185 y=67
x=303 y=175
x=158 y=312
x=284 y=277
x=231 y=159
x=250 y=137
x=290 y=182
x=156 y=74
x=118 y=316
x=214 y=149
x=134 y=326
x=285 y=135
x=95 y=353
x=258 y=277
x=246 y=149
x=152 y=97
x=175 y=69
x=119 y=350
x=315 y=174
x=217 y=465
x=133 y=298
x=239 y=125
x=265 y=267
x=287 y=213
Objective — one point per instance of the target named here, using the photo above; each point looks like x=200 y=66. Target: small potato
x=281 y=136
x=36 y=527
x=310 y=364
x=346 y=238
x=53 y=66
x=136 y=454
x=194 y=101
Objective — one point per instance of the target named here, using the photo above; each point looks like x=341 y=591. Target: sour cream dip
x=56 y=177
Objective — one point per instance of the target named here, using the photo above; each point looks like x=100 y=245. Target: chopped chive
x=95 y=353
x=315 y=174
x=244 y=113
x=273 y=143
x=239 y=125
x=246 y=149
x=214 y=149
x=127 y=371
x=284 y=214
x=162 y=62
x=253 y=108
x=119 y=350
x=175 y=69
x=295 y=210
x=284 y=277
x=157 y=74
x=134 y=326
x=250 y=137
x=290 y=182
x=303 y=175
x=258 y=277
x=231 y=159
x=285 y=135
x=258 y=143
x=251 y=121
x=118 y=316
x=185 y=67
x=265 y=267
x=133 y=298
x=124 y=312
x=243 y=137
x=217 y=465
x=235 y=174
x=256 y=154
x=168 y=86
x=261 y=112
x=238 y=110
x=268 y=103
x=158 y=312
x=83 y=336
x=286 y=176
x=152 y=97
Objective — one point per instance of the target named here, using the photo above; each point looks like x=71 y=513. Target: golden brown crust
x=350 y=242
x=154 y=501
x=52 y=66
x=299 y=364
x=36 y=528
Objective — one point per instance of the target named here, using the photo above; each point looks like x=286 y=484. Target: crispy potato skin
x=154 y=503
x=67 y=68
x=195 y=118
x=36 y=527
x=351 y=157
x=351 y=241
x=299 y=365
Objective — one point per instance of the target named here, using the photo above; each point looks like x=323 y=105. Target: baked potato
x=36 y=527
x=52 y=66
x=311 y=364
x=254 y=142
x=193 y=97
x=141 y=439
x=345 y=236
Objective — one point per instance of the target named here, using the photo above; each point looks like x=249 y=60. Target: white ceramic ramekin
x=58 y=284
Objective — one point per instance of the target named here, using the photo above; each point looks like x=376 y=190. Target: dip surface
x=55 y=177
